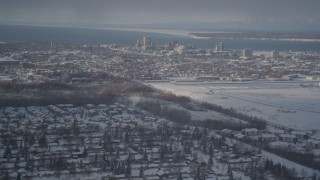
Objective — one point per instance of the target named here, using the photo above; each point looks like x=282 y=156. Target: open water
x=16 y=33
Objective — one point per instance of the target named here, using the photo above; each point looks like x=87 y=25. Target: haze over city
x=293 y=15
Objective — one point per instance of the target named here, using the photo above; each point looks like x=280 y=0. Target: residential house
x=287 y=137
x=313 y=144
x=268 y=138
x=250 y=132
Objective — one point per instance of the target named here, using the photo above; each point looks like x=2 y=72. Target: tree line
x=254 y=121
x=172 y=114
x=279 y=170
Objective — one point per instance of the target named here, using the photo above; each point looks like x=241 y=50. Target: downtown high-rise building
x=246 y=53
x=146 y=41
x=219 y=47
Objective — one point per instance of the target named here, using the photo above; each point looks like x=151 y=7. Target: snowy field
x=281 y=103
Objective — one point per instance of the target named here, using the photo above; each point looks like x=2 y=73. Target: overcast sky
x=277 y=13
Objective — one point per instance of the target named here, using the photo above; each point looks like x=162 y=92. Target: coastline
x=106 y=35
x=194 y=34
x=173 y=32
x=256 y=36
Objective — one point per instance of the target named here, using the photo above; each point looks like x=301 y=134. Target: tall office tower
x=172 y=45
x=146 y=41
x=246 y=53
x=139 y=43
x=156 y=44
x=219 y=47
x=275 y=54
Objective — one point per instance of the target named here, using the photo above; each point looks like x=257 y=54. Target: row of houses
x=311 y=141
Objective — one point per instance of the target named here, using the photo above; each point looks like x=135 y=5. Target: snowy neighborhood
x=121 y=141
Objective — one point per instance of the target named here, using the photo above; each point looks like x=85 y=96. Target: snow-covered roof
x=268 y=135
x=251 y=130
x=287 y=136
x=239 y=135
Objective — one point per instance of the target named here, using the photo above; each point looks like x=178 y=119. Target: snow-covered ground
x=282 y=103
